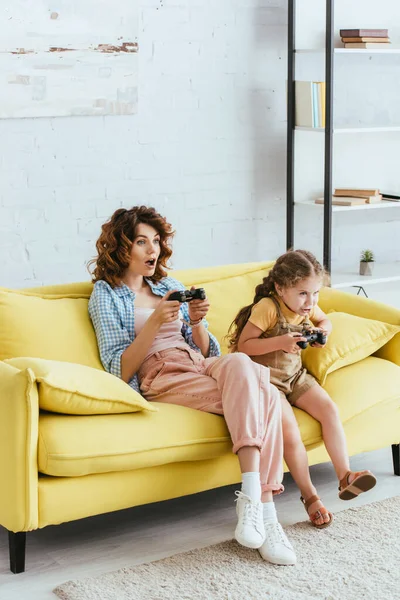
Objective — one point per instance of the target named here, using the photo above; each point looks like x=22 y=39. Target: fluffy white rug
x=358 y=557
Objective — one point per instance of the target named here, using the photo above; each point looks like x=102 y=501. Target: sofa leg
x=396 y=458
x=17 y=544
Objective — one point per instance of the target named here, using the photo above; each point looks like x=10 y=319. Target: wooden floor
x=94 y=546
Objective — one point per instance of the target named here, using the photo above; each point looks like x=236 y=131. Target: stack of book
x=365 y=38
x=353 y=197
x=310 y=103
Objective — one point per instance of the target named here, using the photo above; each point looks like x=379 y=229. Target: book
x=315 y=104
x=368 y=199
x=364 y=33
x=351 y=40
x=304 y=104
x=373 y=199
x=310 y=103
x=367 y=45
x=343 y=201
x=323 y=96
x=356 y=192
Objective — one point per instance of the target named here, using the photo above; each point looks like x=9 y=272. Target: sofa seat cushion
x=71 y=446
x=356 y=389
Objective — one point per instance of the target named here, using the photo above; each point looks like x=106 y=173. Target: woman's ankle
x=266 y=497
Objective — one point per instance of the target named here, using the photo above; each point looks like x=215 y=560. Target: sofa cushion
x=54 y=327
x=229 y=288
x=73 y=389
x=80 y=445
x=357 y=390
x=352 y=339
x=72 y=446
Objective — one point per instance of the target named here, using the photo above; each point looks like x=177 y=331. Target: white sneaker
x=277 y=549
x=249 y=531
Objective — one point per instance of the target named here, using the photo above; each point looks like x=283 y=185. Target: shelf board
x=336 y=208
x=350 y=51
x=382 y=272
x=349 y=129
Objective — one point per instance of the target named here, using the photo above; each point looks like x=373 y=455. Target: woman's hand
x=198 y=308
x=167 y=310
x=289 y=342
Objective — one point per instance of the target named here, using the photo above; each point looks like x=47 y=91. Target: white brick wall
x=207 y=148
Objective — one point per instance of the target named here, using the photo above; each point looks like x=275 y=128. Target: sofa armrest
x=331 y=299
x=19 y=424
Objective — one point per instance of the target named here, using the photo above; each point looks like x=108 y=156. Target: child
x=285 y=304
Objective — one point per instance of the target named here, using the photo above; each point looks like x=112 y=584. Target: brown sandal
x=321 y=512
x=363 y=481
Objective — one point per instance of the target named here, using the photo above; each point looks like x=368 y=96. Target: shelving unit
x=383 y=273
x=378 y=206
x=350 y=51
x=349 y=129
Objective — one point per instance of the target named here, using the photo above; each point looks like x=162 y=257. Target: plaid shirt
x=112 y=312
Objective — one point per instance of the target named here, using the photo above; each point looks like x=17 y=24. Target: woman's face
x=145 y=251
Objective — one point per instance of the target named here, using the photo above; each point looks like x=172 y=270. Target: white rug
x=357 y=558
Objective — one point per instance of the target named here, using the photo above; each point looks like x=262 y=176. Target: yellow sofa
x=61 y=467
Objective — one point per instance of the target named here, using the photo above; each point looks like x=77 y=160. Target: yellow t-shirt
x=264 y=314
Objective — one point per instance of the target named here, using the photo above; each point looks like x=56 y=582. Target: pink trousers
x=233 y=386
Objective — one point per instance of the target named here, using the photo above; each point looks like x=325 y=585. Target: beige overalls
x=286 y=370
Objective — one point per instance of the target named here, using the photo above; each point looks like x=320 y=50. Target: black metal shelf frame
x=291 y=124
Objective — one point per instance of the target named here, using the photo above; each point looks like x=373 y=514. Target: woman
x=164 y=350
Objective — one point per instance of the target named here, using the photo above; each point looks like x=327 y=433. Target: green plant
x=367 y=256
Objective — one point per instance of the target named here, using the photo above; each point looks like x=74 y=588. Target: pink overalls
x=233 y=386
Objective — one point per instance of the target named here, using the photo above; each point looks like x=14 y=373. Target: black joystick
x=188 y=295
x=311 y=337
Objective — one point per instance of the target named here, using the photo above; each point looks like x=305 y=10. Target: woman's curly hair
x=115 y=244
x=288 y=270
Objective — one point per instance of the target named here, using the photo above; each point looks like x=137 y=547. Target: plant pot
x=366 y=268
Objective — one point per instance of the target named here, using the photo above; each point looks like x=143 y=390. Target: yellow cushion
x=53 y=327
x=76 y=446
x=78 y=390
x=228 y=288
x=352 y=339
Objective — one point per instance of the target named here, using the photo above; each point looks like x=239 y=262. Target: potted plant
x=366 y=262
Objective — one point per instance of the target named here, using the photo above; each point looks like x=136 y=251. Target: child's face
x=302 y=297
x=145 y=251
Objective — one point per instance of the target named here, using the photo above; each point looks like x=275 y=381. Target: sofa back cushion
x=53 y=322
x=53 y=327
x=228 y=288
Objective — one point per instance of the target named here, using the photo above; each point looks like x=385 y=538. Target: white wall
x=207 y=148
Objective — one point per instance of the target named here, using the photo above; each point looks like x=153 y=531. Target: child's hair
x=288 y=270
x=115 y=243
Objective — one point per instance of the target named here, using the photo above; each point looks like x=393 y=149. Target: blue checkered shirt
x=112 y=311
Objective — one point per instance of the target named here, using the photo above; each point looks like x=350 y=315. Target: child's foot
x=355 y=483
x=250 y=531
x=277 y=549
x=320 y=517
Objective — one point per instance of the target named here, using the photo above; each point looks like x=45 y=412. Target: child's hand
x=316 y=344
x=289 y=342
